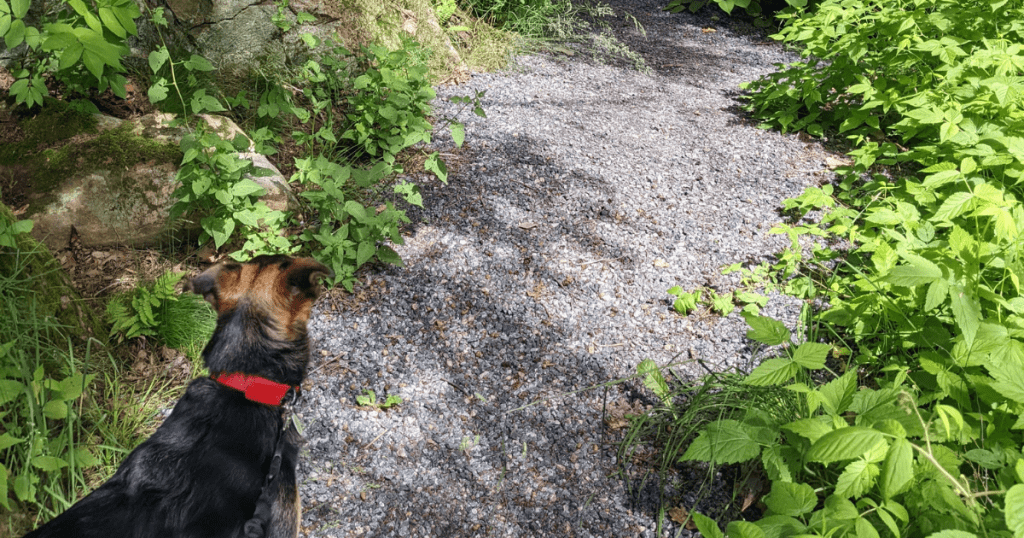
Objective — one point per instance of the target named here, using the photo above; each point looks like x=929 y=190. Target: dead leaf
x=526 y=225
x=661 y=263
x=680 y=516
x=709 y=30
x=833 y=163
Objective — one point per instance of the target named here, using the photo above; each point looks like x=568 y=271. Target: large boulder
x=114 y=182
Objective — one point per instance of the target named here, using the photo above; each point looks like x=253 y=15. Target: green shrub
x=527 y=17
x=155 y=310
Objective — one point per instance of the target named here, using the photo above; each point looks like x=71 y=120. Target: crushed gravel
x=541 y=269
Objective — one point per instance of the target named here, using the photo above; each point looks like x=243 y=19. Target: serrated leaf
x=365 y=251
x=652 y=378
x=723 y=441
x=858 y=477
x=917 y=271
x=955 y=205
x=809 y=428
x=811 y=355
x=768 y=331
x=387 y=255
x=1009 y=382
x=898 y=469
x=791 y=499
x=937 y=293
x=1013 y=508
x=966 y=312
x=951 y=533
x=772 y=372
x=10 y=389
x=846 y=443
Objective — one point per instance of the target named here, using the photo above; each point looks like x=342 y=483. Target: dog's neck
x=243 y=343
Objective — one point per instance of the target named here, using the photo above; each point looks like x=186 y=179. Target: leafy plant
x=139 y=313
x=81 y=45
x=10 y=228
x=369 y=399
x=751 y=7
x=686 y=301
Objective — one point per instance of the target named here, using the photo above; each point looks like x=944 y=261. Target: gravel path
x=540 y=269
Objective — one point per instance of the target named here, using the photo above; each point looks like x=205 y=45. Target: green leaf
x=387 y=255
x=157 y=58
x=918 y=271
x=365 y=251
x=743 y=529
x=937 y=293
x=707 y=526
x=112 y=23
x=55 y=409
x=723 y=441
x=950 y=533
x=898 y=469
x=791 y=499
x=766 y=330
x=9 y=390
x=955 y=205
x=458 y=131
x=247 y=187
x=4 y=497
x=653 y=379
x=93 y=63
x=837 y=395
x=810 y=428
x=811 y=355
x=15 y=34
x=198 y=63
x=1009 y=381
x=865 y=529
x=966 y=312
x=772 y=372
x=7 y=440
x=1013 y=508
x=19 y=8
x=846 y=443
x=48 y=463
x=858 y=477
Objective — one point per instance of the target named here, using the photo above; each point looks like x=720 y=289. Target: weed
x=369 y=399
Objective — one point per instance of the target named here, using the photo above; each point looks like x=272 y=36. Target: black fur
x=202 y=472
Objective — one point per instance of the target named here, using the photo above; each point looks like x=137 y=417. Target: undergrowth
x=906 y=384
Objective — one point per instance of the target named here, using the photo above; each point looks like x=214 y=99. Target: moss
x=116 y=149
x=55 y=122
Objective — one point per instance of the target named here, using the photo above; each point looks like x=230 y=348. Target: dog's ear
x=304 y=276
x=205 y=283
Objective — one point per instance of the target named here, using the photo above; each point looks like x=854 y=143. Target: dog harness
x=256 y=388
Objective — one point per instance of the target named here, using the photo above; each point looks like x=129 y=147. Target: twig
x=375 y=439
x=601 y=260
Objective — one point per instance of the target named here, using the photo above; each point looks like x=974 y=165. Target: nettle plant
x=80 y=44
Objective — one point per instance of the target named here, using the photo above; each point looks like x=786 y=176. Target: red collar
x=256 y=388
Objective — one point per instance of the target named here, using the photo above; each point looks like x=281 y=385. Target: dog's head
x=279 y=289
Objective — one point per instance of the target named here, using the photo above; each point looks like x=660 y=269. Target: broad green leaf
x=458 y=131
x=966 y=312
x=837 y=395
x=8 y=440
x=365 y=251
x=772 y=372
x=707 y=526
x=918 y=271
x=48 y=463
x=5 y=498
x=55 y=409
x=387 y=255
x=652 y=378
x=15 y=34
x=955 y=205
x=9 y=390
x=858 y=477
x=844 y=444
x=898 y=469
x=198 y=63
x=247 y=187
x=766 y=330
x=937 y=293
x=809 y=428
x=865 y=529
x=950 y=533
x=19 y=8
x=1009 y=382
x=811 y=355
x=1013 y=508
x=790 y=499
x=743 y=529
x=775 y=465
x=723 y=441
x=112 y=23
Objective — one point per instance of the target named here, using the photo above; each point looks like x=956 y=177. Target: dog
x=223 y=463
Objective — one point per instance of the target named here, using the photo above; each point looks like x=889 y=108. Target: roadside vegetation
x=895 y=408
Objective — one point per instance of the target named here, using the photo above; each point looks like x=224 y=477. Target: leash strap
x=256 y=527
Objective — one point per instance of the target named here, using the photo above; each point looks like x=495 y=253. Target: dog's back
x=203 y=472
